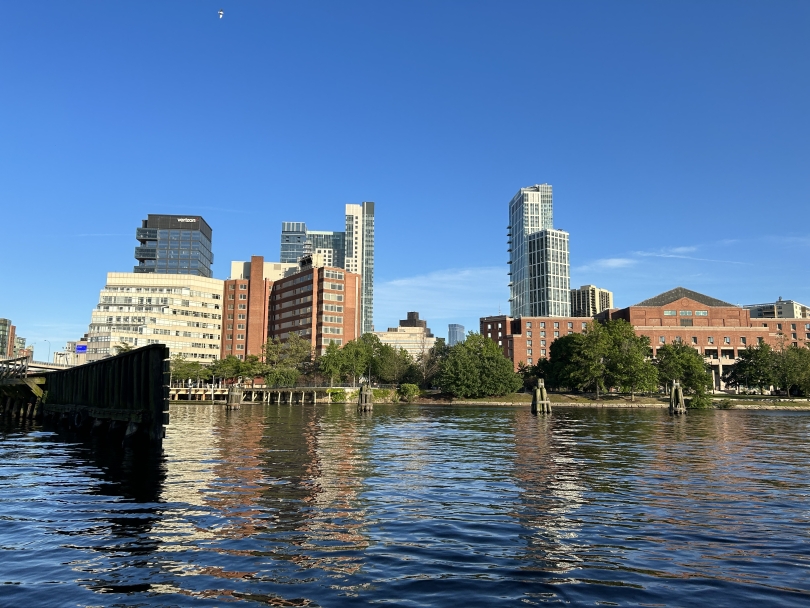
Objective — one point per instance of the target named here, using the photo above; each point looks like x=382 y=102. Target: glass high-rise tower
x=352 y=250
x=174 y=244
x=538 y=256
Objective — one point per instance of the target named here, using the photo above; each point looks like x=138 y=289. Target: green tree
x=356 y=358
x=285 y=360
x=559 y=371
x=429 y=363
x=252 y=368
x=628 y=364
x=756 y=366
x=790 y=367
x=123 y=347
x=228 y=368
x=477 y=368
x=680 y=362
x=331 y=363
x=588 y=358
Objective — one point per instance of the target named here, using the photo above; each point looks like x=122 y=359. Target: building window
x=570 y=325
x=701 y=313
x=543 y=324
x=489 y=325
x=793 y=336
x=529 y=343
x=240 y=336
x=231 y=296
x=686 y=313
x=243 y=307
x=584 y=326
x=542 y=342
x=240 y=347
x=529 y=334
x=694 y=339
x=230 y=325
x=710 y=339
x=241 y=317
x=669 y=313
x=793 y=326
x=726 y=340
x=230 y=306
x=556 y=325
x=556 y=334
x=243 y=296
x=227 y=347
x=230 y=317
x=529 y=325
x=499 y=326
x=240 y=356
x=243 y=287
x=779 y=326
x=807 y=336
x=662 y=340
x=500 y=343
x=529 y=361
x=543 y=351
x=529 y=352
x=489 y=335
x=231 y=287
x=240 y=326
x=229 y=337
x=542 y=334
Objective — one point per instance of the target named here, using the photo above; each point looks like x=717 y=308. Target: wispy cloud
x=607 y=264
x=651 y=254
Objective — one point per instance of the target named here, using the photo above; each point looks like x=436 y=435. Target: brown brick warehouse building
x=716 y=329
x=264 y=301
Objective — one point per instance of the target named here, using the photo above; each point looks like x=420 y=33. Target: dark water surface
x=408 y=506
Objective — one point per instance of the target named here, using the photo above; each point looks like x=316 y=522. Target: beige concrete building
x=590 y=300
x=184 y=312
x=413 y=335
x=781 y=309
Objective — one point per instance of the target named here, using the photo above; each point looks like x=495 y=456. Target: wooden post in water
x=365 y=402
x=234 y=398
x=540 y=402
x=677 y=405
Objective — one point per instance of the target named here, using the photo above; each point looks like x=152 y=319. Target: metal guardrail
x=14 y=368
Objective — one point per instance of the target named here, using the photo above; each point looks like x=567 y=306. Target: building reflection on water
x=547 y=471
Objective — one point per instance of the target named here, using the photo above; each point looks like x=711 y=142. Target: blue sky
x=674 y=134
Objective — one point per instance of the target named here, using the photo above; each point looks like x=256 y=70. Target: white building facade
x=538 y=256
x=589 y=301
x=359 y=259
x=184 y=312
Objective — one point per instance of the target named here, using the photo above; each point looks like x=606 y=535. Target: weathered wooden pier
x=127 y=393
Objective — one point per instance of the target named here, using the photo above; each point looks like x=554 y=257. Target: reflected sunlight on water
x=328 y=506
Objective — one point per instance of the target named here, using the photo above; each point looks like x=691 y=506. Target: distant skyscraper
x=174 y=244
x=589 y=301
x=293 y=239
x=352 y=250
x=360 y=256
x=538 y=256
x=455 y=334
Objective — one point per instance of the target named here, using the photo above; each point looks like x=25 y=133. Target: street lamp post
x=48 y=360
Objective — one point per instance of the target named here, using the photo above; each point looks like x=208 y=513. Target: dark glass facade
x=174 y=244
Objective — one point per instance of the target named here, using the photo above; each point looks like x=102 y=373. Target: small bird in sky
x=221 y=12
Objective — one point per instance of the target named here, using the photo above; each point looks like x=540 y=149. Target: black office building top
x=174 y=244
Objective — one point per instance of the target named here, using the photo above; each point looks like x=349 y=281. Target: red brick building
x=527 y=339
x=716 y=329
x=318 y=303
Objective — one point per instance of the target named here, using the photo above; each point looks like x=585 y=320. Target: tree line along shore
x=607 y=363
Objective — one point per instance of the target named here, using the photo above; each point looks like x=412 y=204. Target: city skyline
x=648 y=171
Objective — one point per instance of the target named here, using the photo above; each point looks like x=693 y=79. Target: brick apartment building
x=716 y=329
x=273 y=300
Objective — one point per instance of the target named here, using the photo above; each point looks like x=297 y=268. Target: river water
x=412 y=506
